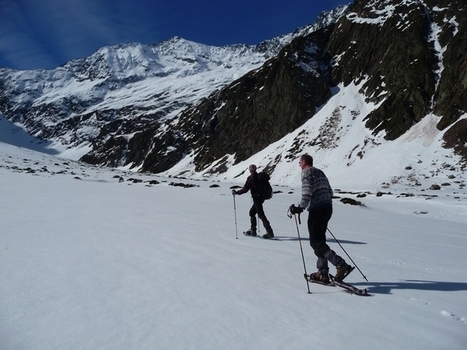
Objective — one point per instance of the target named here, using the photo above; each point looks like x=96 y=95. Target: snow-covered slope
x=90 y=262
x=355 y=159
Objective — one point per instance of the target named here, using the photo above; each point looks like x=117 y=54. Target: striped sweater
x=316 y=189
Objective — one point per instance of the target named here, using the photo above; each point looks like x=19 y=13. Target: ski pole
x=235 y=213
x=301 y=249
x=347 y=255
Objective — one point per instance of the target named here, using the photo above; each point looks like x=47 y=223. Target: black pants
x=318 y=219
x=257 y=208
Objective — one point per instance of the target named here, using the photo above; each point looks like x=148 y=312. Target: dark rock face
x=456 y=137
x=400 y=58
x=262 y=106
x=410 y=58
x=451 y=95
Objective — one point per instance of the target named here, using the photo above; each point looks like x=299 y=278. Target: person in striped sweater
x=317 y=198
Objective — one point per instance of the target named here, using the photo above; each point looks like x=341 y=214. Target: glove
x=295 y=210
x=234 y=192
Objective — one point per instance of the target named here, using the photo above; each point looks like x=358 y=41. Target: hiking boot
x=320 y=277
x=250 y=233
x=342 y=272
x=268 y=235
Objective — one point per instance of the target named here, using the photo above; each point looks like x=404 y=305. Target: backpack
x=264 y=187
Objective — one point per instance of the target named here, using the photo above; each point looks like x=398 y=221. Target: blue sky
x=48 y=33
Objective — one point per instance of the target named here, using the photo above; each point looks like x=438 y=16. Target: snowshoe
x=342 y=272
x=320 y=278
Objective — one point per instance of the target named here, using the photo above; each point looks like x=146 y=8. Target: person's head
x=252 y=168
x=305 y=161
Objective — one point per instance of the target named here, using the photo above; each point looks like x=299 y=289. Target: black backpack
x=264 y=187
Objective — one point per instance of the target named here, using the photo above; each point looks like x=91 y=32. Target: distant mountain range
x=364 y=83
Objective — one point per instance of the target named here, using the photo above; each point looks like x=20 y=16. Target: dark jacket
x=250 y=185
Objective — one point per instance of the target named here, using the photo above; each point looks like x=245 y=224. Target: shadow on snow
x=387 y=287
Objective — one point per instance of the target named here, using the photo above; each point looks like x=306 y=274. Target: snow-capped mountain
x=120 y=90
x=74 y=103
x=371 y=76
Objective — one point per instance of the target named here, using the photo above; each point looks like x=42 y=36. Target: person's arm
x=246 y=187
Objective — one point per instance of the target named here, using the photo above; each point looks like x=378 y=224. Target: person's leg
x=318 y=219
x=322 y=250
x=253 y=223
x=264 y=219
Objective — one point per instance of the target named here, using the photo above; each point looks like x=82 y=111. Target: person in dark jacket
x=317 y=198
x=257 y=207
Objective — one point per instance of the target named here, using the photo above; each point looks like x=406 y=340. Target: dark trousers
x=257 y=208
x=318 y=219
